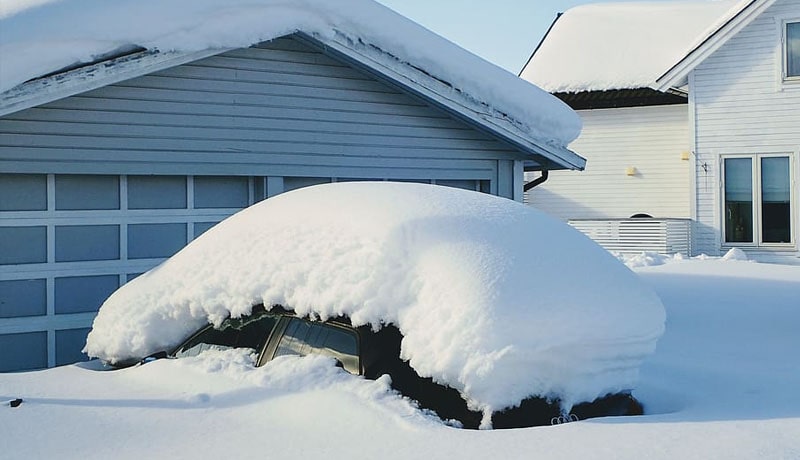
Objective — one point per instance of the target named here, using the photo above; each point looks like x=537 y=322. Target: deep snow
x=721 y=385
x=495 y=299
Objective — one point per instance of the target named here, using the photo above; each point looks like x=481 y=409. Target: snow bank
x=610 y=46
x=493 y=298
x=653 y=259
x=42 y=37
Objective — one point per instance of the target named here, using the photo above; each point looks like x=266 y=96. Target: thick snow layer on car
x=493 y=298
x=44 y=36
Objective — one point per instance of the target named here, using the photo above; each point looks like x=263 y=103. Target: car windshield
x=248 y=332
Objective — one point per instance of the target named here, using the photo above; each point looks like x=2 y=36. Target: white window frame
x=785 y=78
x=758 y=242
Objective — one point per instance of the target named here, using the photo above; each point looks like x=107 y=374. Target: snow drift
x=493 y=298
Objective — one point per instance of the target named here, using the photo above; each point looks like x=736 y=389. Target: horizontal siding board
x=240 y=78
x=182 y=110
x=102 y=117
x=650 y=139
x=223 y=67
x=260 y=53
x=91 y=132
x=124 y=165
x=111 y=93
x=71 y=144
x=265 y=89
x=200 y=157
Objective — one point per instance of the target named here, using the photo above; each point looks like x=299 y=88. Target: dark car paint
x=379 y=354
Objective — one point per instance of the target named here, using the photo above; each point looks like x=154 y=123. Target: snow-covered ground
x=722 y=385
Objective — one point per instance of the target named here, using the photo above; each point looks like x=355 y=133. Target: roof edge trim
x=426 y=87
x=677 y=74
x=58 y=86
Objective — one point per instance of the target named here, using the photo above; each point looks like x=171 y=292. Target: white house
x=691 y=110
x=129 y=128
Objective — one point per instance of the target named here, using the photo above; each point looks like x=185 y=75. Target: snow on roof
x=43 y=36
x=494 y=298
x=610 y=46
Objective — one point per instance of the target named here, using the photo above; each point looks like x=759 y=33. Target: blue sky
x=502 y=31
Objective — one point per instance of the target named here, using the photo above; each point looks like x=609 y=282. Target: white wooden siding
x=742 y=107
x=650 y=139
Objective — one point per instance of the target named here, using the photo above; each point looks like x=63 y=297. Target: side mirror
x=153 y=357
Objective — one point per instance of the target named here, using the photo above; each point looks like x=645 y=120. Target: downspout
x=538 y=181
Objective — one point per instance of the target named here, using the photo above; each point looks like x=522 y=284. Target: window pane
x=738 y=200
x=155 y=240
x=793 y=49
x=23 y=298
x=82 y=294
x=23 y=245
x=23 y=192
x=776 y=215
x=202 y=227
x=464 y=184
x=84 y=192
x=69 y=344
x=23 y=351
x=156 y=192
x=220 y=192
x=87 y=242
x=304 y=337
x=293 y=183
x=249 y=332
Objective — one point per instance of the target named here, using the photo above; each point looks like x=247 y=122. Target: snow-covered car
x=480 y=308
x=361 y=351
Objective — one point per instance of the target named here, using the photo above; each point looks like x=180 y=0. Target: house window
x=792 y=49
x=757 y=200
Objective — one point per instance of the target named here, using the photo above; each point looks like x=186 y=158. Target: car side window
x=305 y=337
x=248 y=332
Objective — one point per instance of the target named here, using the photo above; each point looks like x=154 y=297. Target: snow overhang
x=363 y=32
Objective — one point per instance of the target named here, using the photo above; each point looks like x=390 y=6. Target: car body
x=277 y=331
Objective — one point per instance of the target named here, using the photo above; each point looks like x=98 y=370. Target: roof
x=40 y=43
x=615 y=46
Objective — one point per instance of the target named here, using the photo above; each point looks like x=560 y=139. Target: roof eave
x=435 y=91
x=58 y=86
x=43 y=90
x=677 y=75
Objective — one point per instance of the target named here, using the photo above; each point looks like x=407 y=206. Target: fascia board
x=55 y=87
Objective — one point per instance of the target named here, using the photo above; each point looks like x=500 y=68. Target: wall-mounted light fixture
x=685 y=155
x=630 y=171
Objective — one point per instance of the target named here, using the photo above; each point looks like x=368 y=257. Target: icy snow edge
x=493 y=298
x=39 y=39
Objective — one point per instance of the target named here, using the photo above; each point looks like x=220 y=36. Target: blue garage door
x=68 y=241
